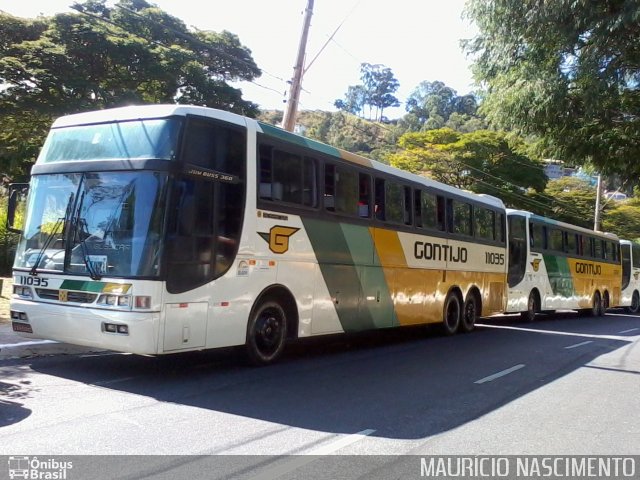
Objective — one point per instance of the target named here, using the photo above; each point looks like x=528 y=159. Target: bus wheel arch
x=534 y=305
x=452 y=311
x=273 y=319
x=471 y=310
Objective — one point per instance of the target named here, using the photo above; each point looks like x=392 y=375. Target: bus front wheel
x=529 y=315
x=266 y=333
x=452 y=312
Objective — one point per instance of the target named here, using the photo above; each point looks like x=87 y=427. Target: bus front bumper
x=122 y=331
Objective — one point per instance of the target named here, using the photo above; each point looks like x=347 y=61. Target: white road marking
x=111 y=382
x=491 y=378
x=298 y=461
x=341 y=443
x=628 y=331
x=553 y=332
x=26 y=344
x=579 y=344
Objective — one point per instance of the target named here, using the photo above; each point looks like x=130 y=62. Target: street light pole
x=596 y=220
x=289 y=120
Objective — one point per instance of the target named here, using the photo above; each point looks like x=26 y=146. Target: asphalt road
x=561 y=386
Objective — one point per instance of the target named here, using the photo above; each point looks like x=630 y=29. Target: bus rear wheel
x=529 y=315
x=266 y=333
x=635 y=303
x=470 y=313
x=451 y=314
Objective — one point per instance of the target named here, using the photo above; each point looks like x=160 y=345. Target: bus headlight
x=21 y=291
x=115 y=300
x=124 y=301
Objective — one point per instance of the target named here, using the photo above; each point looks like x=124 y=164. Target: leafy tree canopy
x=375 y=93
x=573 y=201
x=104 y=57
x=567 y=71
x=482 y=161
x=623 y=219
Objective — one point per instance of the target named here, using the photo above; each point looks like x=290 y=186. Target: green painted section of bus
x=340 y=271
x=376 y=299
x=559 y=275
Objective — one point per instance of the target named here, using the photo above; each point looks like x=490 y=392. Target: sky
x=418 y=40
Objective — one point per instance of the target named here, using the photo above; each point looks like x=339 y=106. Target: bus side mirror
x=17 y=206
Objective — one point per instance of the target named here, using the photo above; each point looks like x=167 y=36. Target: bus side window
x=380 y=203
x=462 y=218
x=395 y=208
x=364 y=196
x=407 y=206
x=484 y=223
x=329 y=187
x=265 y=173
x=341 y=190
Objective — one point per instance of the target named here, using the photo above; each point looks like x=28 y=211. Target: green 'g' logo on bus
x=278 y=238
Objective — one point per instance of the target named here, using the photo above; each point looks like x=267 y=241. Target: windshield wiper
x=80 y=230
x=54 y=231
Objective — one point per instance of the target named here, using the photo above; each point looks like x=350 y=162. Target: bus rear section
x=630 y=296
x=557 y=266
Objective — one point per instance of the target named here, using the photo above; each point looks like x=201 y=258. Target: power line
x=524 y=198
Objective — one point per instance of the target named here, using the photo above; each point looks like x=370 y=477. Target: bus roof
x=551 y=221
x=138 y=112
x=159 y=111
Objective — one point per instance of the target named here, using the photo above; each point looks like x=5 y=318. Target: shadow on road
x=404 y=384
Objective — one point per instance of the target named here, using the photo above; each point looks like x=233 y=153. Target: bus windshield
x=133 y=139
x=95 y=223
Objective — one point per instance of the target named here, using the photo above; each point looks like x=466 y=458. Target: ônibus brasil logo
x=34 y=468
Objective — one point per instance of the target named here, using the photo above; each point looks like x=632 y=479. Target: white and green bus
x=556 y=266
x=160 y=229
x=630 y=297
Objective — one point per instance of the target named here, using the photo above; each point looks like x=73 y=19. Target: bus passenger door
x=518 y=247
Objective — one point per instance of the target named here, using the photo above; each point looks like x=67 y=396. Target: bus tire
x=266 y=333
x=533 y=305
x=451 y=314
x=605 y=303
x=635 y=303
x=596 y=306
x=470 y=313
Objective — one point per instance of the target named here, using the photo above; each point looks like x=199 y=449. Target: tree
x=354 y=100
x=104 y=57
x=481 y=161
x=573 y=200
x=567 y=71
x=436 y=105
x=623 y=219
x=348 y=132
x=431 y=99
x=376 y=92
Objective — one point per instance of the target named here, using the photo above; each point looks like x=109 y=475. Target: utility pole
x=596 y=221
x=289 y=120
